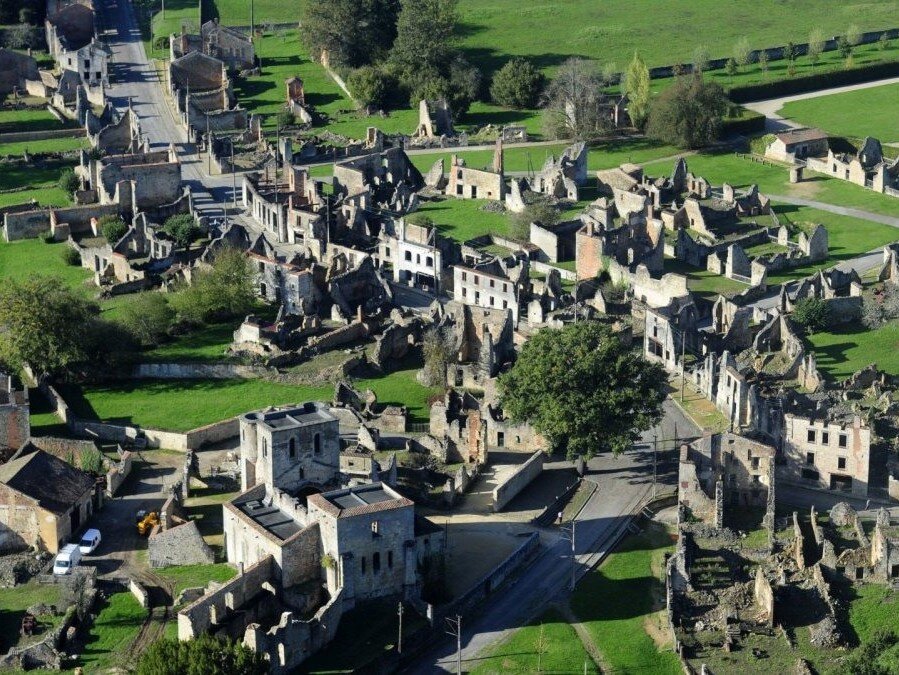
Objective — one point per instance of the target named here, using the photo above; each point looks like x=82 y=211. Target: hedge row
x=800 y=85
x=746 y=125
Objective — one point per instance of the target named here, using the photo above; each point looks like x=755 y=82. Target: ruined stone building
x=307 y=555
x=226 y=44
x=434 y=119
x=72 y=41
x=416 y=255
x=498 y=283
x=44 y=501
x=561 y=178
x=15 y=414
x=725 y=470
x=290 y=280
x=868 y=167
x=381 y=180
x=278 y=202
x=203 y=96
x=468 y=183
x=16 y=70
x=828 y=450
x=481 y=342
x=134 y=181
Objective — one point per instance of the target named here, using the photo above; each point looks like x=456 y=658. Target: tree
x=584 y=389
x=574 y=101
x=183 y=229
x=688 y=114
x=20 y=36
x=701 y=59
x=370 y=86
x=148 y=318
x=112 y=228
x=425 y=39
x=609 y=73
x=46 y=324
x=437 y=352
x=844 y=46
x=790 y=52
x=203 y=654
x=812 y=314
x=742 y=52
x=884 y=42
x=353 y=32
x=68 y=181
x=636 y=87
x=539 y=212
x=222 y=291
x=731 y=67
x=763 y=61
x=517 y=84
x=854 y=35
x=816 y=42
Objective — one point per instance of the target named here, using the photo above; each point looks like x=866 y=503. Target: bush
x=70 y=256
x=812 y=314
x=113 y=228
x=225 y=291
x=540 y=212
x=204 y=654
x=517 y=84
x=286 y=119
x=370 y=86
x=68 y=181
x=183 y=229
x=688 y=113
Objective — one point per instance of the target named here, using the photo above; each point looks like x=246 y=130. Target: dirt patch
x=657 y=628
x=805 y=190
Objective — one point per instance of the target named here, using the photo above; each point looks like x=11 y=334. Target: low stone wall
x=138 y=591
x=198 y=371
x=544 y=268
x=118 y=473
x=518 y=481
x=29 y=136
x=195 y=438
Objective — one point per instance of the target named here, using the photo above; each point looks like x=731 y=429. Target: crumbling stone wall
x=763 y=594
x=179 y=545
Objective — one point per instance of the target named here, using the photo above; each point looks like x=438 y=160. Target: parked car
x=90 y=540
x=67 y=559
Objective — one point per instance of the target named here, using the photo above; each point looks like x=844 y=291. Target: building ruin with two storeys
x=308 y=548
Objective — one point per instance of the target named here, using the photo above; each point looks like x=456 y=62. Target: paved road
x=623 y=484
x=770 y=107
x=892 y=221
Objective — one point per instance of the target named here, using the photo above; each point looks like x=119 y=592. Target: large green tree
x=425 y=44
x=636 y=86
x=688 y=113
x=584 y=389
x=353 y=32
x=204 y=655
x=45 y=324
x=224 y=290
x=517 y=84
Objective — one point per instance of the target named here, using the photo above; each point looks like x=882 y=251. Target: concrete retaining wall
x=195 y=438
x=138 y=591
x=527 y=472
x=204 y=371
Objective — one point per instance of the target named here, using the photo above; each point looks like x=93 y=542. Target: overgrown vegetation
x=199 y=656
x=812 y=315
x=688 y=114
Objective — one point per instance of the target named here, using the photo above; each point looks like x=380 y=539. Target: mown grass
x=839 y=114
x=27 y=119
x=704 y=283
x=195 y=576
x=42 y=147
x=23 y=258
x=548 y=645
x=237 y=12
x=844 y=350
x=615 y=600
x=176 y=13
x=181 y=405
x=208 y=343
x=112 y=632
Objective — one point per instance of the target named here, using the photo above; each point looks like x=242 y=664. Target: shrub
x=540 y=212
x=688 y=114
x=286 y=119
x=370 y=86
x=812 y=314
x=517 y=84
x=204 y=654
x=113 y=228
x=821 y=80
x=149 y=318
x=70 y=256
x=183 y=229
x=68 y=181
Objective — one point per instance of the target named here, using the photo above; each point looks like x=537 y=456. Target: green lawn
x=181 y=405
x=616 y=599
x=45 y=196
x=873 y=608
x=19 y=174
x=549 y=642
x=208 y=343
x=27 y=119
x=42 y=147
x=176 y=12
x=20 y=259
x=112 y=633
x=463 y=219
x=705 y=283
x=237 y=12
x=14 y=602
x=838 y=114
x=843 y=351
x=195 y=576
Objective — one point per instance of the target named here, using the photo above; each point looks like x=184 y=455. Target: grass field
x=865 y=112
x=195 y=576
x=181 y=405
x=27 y=119
x=617 y=600
x=237 y=12
x=20 y=259
x=13 y=603
x=548 y=645
x=843 y=351
x=208 y=343
x=42 y=147
x=176 y=13
x=873 y=607
x=112 y=632
x=704 y=283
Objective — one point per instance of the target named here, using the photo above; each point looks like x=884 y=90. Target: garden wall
x=195 y=438
x=518 y=481
x=30 y=136
x=204 y=371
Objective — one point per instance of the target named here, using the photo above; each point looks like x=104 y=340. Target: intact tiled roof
x=53 y=483
x=801 y=135
x=327 y=501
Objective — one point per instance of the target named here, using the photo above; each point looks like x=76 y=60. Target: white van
x=67 y=559
x=90 y=540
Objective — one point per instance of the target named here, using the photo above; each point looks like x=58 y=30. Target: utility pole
x=208 y=146
x=252 y=18
x=655 y=449
x=569 y=535
x=682 y=374
x=455 y=629
x=233 y=177
x=399 y=639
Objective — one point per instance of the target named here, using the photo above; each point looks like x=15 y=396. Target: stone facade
x=467 y=183
x=496 y=285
